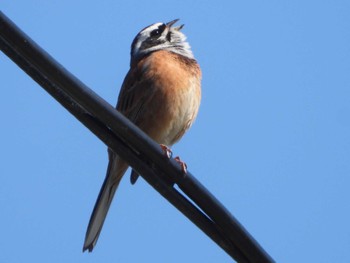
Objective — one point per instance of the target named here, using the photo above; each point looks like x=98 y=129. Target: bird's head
x=160 y=36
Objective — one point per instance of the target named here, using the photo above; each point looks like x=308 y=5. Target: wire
x=134 y=146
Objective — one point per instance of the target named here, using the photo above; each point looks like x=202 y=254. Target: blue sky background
x=272 y=139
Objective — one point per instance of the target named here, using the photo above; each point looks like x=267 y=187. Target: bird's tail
x=115 y=171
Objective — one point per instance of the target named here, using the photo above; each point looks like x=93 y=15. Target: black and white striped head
x=160 y=36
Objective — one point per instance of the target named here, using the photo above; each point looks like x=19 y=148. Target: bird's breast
x=175 y=84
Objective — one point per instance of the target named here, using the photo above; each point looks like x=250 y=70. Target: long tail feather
x=115 y=171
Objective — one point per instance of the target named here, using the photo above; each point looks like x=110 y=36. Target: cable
x=142 y=153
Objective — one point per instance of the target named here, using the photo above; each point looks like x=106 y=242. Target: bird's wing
x=133 y=96
x=135 y=93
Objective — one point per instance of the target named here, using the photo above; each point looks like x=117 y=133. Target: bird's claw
x=182 y=164
x=167 y=151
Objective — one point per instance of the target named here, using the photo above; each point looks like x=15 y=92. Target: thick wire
x=143 y=154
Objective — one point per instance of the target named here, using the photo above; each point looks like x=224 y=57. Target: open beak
x=169 y=24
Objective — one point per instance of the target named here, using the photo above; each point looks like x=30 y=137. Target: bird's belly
x=172 y=115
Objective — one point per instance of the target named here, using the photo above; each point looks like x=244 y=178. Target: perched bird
x=160 y=94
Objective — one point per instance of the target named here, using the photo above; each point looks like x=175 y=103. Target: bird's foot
x=182 y=164
x=167 y=151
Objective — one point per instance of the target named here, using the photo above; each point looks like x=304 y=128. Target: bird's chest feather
x=176 y=94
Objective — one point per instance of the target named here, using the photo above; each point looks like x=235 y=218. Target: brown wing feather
x=134 y=95
x=131 y=101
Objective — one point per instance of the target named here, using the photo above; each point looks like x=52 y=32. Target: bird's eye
x=157 y=32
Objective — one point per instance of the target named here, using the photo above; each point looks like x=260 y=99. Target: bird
x=161 y=94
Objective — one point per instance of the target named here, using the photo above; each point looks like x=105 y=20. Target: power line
x=134 y=146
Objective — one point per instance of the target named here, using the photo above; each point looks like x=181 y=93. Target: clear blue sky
x=272 y=139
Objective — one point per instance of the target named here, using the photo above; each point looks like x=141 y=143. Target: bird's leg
x=182 y=164
x=167 y=151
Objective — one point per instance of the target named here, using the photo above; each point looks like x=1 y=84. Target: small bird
x=160 y=94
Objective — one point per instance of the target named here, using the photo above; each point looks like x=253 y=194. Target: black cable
x=143 y=154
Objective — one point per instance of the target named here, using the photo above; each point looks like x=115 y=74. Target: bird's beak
x=169 y=24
